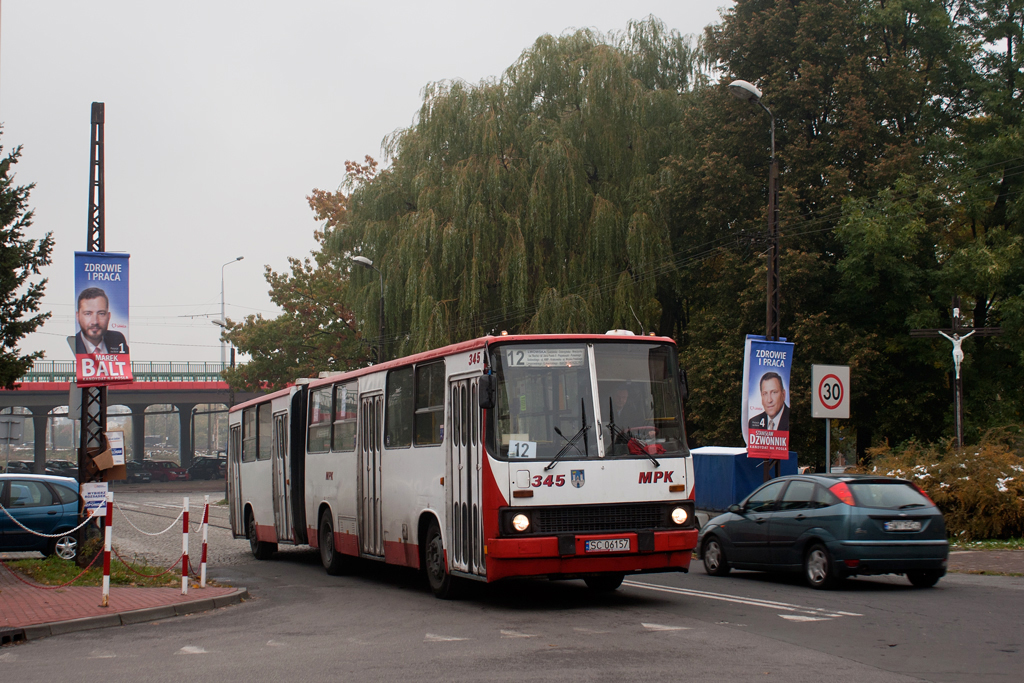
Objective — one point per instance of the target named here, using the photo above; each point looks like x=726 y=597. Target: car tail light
x=843 y=493
x=921 y=491
x=852 y=564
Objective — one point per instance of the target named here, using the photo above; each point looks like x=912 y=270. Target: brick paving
x=987 y=561
x=26 y=605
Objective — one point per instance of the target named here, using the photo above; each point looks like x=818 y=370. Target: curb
x=137 y=616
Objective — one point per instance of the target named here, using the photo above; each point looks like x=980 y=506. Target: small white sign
x=95 y=495
x=522 y=450
x=830 y=391
x=116 y=446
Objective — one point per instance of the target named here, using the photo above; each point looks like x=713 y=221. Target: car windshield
x=545 y=400
x=896 y=495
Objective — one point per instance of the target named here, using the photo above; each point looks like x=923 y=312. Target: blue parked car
x=830 y=527
x=43 y=503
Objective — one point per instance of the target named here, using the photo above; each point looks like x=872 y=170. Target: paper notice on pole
x=116 y=440
x=95 y=495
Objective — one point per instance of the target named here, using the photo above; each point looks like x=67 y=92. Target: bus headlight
x=520 y=522
x=679 y=516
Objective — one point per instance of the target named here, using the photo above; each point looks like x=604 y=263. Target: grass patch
x=53 y=571
x=990 y=544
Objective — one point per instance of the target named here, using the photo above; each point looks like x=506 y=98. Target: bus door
x=235 y=480
x=463 y=477
x=371 y=528
x=279 y=458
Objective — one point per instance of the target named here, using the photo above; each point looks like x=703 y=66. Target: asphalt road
x=381 y=623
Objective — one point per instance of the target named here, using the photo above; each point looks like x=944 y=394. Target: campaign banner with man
x=101 y=319
x=765 y=412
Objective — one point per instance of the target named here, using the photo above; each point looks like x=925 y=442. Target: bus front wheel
x=441 y=582
x=261 y=550
x=333 y=561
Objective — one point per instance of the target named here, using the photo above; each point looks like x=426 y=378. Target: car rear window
x=887 y=494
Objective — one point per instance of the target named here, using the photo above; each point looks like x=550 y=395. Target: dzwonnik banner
x=766 y=397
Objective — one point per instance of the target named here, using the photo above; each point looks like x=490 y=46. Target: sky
x=221 y=117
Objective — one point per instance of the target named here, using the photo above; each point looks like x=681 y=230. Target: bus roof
x=460 y=347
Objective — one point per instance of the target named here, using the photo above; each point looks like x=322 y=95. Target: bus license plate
x=903 y=525
x=607 y=545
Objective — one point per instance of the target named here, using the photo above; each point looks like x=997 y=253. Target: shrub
x=980 y=490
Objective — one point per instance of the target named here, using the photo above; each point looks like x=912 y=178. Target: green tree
x=315 y=332
x=20 y=260
x=527 y=203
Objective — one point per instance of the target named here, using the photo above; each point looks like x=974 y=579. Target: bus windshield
x=545 y=401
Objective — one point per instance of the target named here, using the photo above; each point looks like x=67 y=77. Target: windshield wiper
x=573 y=440
x=627 y=436
x=911 y=505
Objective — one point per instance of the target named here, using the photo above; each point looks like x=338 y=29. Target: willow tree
x=527 y=202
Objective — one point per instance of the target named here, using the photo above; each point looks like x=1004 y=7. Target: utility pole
x=955 y=334
x=94 y=399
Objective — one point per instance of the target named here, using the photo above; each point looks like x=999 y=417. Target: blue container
x=726 y=475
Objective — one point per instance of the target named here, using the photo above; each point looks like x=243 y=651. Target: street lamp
x=223 y=319
x=748 y=92
x=367 y=263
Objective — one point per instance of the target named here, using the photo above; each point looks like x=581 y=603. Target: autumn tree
x=21 y=258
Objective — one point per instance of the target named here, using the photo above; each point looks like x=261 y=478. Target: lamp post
x=750 y=93
x=223 y=319
x=367 y=263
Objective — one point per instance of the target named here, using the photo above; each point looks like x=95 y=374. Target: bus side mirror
x=684 y=386
x=487 y=383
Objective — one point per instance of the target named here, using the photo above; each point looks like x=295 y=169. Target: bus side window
x=249 y=435
x=265 y=436
x=398 y=411
x=344 y=437
x=319 y=439
x=429 y=403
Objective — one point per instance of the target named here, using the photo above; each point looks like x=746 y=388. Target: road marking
x=434 y=638
x=804 y=617
x=589 y=630
x=275 y=643
x=101 y=654
x=753 y=602
x=662 y=627
x=8 y=657
x=192 y=650
x=515 y=634
x=164 y=506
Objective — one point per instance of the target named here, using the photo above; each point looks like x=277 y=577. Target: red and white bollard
x=108 y=521
x=206 y=526
x=184 y=549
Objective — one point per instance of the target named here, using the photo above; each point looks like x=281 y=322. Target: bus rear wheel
x=261 y=550
x=333 y=561
x=443 y=584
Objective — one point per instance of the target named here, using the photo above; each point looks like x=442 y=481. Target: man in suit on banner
x=93 y=316
x=773 y=400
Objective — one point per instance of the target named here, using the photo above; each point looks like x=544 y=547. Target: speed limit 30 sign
x=830 y=391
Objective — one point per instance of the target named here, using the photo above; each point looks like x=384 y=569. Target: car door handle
x=800 y=517
x=760 y=520
x=51 y=513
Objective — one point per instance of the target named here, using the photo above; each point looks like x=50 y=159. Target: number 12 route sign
x=830 y=391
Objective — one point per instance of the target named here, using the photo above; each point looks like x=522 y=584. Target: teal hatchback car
x=44 y=504
x=830 y=527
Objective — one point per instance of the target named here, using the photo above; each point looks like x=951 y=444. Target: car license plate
x=607 y=545
x=903 y=525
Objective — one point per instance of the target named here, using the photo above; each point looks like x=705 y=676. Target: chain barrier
x=51 y=588
x=148 y=576
x=146 y=533
x=60 y=535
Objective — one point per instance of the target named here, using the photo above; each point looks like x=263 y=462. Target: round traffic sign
x=830 y=391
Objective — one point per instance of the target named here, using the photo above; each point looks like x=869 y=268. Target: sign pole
x=828 y=444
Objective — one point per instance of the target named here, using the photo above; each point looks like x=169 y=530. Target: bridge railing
x=142 y=371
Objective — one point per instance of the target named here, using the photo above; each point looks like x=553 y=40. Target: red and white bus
x=560 y=456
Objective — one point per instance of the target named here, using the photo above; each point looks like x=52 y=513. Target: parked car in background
x=43 y=503
x=62 y=468
x=138 y=473
x=208 y=468
x=830 y=527
x=165 y=470
x=19 y=466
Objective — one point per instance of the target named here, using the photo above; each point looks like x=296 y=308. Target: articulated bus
x=558 y=456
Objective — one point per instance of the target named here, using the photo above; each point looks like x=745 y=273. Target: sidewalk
x=28 y=612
